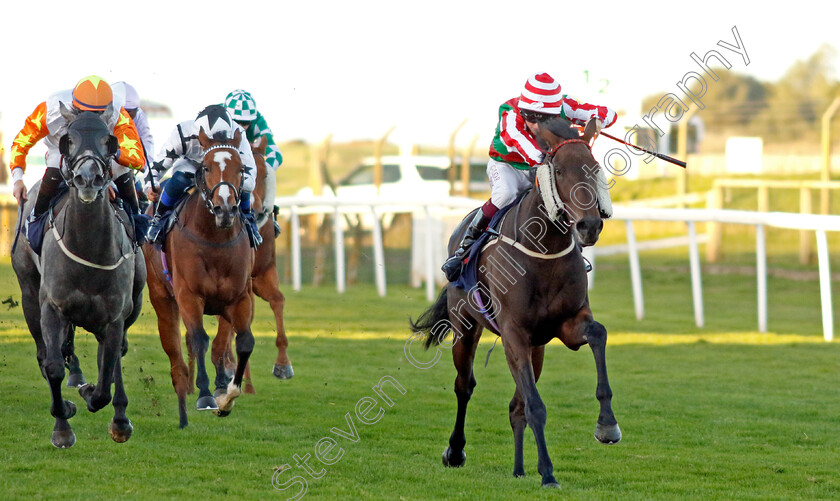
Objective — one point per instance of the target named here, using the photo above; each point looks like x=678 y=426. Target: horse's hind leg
x=109 y=352
x=519 y=353
x=463 y=354
x=266 y=286
x=170 y=339
x=71 y=361
x=52 y=366
x=120 y=428
x=517 y=414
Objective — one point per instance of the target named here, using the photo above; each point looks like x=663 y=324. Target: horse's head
x=87 y=149
x=573 y=172
x=258 y=148
x=220 y=176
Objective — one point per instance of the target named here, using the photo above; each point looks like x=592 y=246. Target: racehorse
x=209 y=260
x=264 y=275
x=532 y=288
x=89 y=275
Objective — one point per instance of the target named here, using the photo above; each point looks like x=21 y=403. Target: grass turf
x=721 y=412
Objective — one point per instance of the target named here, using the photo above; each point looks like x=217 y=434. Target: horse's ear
x=203 y=139
x=64 y=142
x=593 y=127
x=113 y=145
x=261 y=144
x=66 y=112
x=237 y=137
x=108 y=114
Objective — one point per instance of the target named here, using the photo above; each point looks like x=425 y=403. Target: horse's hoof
x=449 y=462
x=222 y=413
x=283 y=371
x=607 y=434
x=74 y=380
x=120 y=433
x=518 y=473
x=551 y=485
x=70 y=410
x=249 y=389
x=206 y=403
x=218 y=392
x=63 y=439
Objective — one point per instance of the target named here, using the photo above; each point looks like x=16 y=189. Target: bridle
x=201 y=181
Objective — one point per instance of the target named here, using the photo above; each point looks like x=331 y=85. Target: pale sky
x=355 y=68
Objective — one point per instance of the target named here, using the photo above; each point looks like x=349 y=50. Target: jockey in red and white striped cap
x=514 y=149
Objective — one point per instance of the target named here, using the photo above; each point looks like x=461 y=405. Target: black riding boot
x=452 y=267
x=48 y=189
x=126 y=189
x=33 y=225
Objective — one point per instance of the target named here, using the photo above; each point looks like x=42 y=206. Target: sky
x=356 y=68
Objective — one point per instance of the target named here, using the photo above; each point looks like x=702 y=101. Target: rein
x=59 y=239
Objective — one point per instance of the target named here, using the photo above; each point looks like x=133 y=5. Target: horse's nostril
x=98 y=180
x=601 y=225
x=78 y=180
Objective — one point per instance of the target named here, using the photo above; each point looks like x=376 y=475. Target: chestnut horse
x=209 y=260
x=265 y=279
x=533 y=288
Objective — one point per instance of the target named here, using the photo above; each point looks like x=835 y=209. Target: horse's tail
x=429 y=319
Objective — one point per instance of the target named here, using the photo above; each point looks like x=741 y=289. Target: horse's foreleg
x=517 y=414
x=219 y=355
x=519 y=356
x=120 y=428
x=109 y=351
x=463 y=354
x=266 y=286
x=54 y=328
x=607 y=430
x=192 y=311
x=240 y=316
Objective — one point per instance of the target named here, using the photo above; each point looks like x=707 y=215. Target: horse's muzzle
x=589 y=229
x=89 y=182
x=225 y=215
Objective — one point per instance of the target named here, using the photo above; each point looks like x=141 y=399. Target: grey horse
x=89 y=275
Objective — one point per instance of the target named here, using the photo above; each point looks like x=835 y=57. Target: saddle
x=35 y=230
x=469 y=273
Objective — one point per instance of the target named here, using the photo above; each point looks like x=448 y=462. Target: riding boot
x=452 y=267
x=33 y=226
x=174 y=189
x=250 y=221
x=126 y=189
x=154 y=234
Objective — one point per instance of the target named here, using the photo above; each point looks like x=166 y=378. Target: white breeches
x=506 y=182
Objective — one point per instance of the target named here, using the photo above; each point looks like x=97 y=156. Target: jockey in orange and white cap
x=514 y=149
x=91 y=93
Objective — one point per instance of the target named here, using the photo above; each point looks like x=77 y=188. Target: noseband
x=208 y=193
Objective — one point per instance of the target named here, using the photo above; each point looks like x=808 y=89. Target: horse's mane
x=561 y=128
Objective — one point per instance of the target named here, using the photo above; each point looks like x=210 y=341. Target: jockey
x=243 y=109
x=514 y=150
x=141 y=122
x=182 y=153
x=92 y=93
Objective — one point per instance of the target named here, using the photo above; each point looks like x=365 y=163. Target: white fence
x=426 y=209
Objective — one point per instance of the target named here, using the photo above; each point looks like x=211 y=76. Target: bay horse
x=533 y=288
x=89 y=275
x=266 y=282
x=209 y=260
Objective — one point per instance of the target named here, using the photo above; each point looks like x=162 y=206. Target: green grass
x=721 y=412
